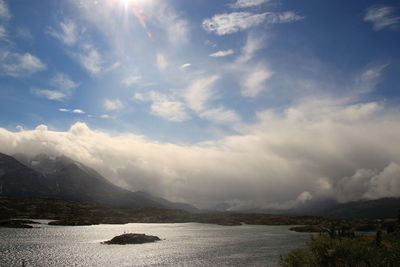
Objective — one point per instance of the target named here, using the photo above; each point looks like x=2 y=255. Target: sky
x=252 y=103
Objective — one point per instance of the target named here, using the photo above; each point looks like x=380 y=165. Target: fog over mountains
x=278 y=163
x=63 y=178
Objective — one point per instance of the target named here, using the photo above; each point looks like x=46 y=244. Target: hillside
x=64 y=178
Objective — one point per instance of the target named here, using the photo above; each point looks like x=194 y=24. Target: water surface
x=183 y=244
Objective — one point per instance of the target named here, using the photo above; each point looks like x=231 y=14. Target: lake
x=183 y=244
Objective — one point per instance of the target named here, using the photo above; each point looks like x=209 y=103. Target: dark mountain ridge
x=362 y=209
x=64 y=178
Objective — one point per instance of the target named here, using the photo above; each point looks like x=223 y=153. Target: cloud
x=24 y=33
x=254 y=82
x=223 y=24
x=4 y=12
x=112 y=104
x=63 y=82
x=199 y=92
x=382 y=17
x=75 y=111
x=284 y=17
x=49 y=94
x=222 y=53
x=78 y=111
x=253 y=45
x=367 y=80
x=90 y=59
x=169 y=110
x=68 y=33
x=17 y=65
x=162 y=61
x=220 y=115
x=279 y=161
x=184 y=66
x=3 y=32
x=132 y=79
x=370 y=184
x=228 y=23
x=81 y=48
x=62 y=86
x=163 y=106
x=247 y=3
x=164 y=17
x=13 y=63
x=198 y=97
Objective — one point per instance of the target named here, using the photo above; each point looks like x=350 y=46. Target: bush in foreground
x=324 y=251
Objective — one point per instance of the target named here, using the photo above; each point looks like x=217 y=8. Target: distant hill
x=64 y=178
x=363 y=209
x=379 y=208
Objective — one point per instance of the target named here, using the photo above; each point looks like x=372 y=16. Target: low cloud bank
x=311 y=150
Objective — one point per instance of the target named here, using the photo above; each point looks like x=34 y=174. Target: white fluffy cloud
x=198 y=97
x=90 y=59
x=162 y=61
x=184 y=66
x=222 y=53
x=199 y=92
x=382 y=17
x=17 y=65
x=169 y=110
x=222 y=24
x=247 y=3
x=67 y=33
x=281 y=160
x=254 y=81
x=49 y=94
x=78 y=111
x=132 y=79
x=63 y=82
x=62 y=88
x=81 y=48
x=4 y=12
x=163 y=106
x=228 y=23
x=252 y=46
x=113 y=104
x=220 y=115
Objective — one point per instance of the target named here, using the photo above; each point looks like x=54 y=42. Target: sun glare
x=130 y=2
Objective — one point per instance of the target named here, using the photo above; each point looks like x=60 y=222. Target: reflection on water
x=185 y=244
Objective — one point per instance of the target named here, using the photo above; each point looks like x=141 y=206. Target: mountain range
x=362 y=209
x=60 y=177
x=63 y=178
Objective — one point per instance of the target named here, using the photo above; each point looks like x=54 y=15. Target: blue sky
x=96 y=57
x=234 y=75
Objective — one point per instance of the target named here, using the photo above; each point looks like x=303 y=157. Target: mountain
x=372 y=209
x=17 y=179
x=362 y=209
x=64 y=178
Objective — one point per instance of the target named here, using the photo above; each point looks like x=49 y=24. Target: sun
x=129 y=2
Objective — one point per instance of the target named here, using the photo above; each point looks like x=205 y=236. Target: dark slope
x=64 y=178
x=363 y=209
x=372 y=209
x=17 y=179
x=169 y=204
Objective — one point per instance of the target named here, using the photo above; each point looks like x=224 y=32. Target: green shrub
x=345 y=252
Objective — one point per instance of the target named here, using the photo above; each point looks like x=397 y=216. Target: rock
x=132 y=238
x=17 y=223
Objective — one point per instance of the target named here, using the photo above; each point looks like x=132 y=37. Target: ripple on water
x=188 y=244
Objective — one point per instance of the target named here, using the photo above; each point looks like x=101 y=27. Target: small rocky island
x=132 y=238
